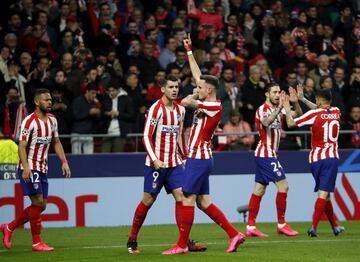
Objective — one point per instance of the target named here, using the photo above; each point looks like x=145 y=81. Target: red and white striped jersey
x=206 y=120
x=38 y=134
x=164 y=137
x=269 y=136
x=325 y=126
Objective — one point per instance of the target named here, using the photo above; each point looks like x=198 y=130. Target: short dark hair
x=212 y=80
x=41 y=91
x=268 y=86
x=163 y=82
x=324 y=94
x=180 y=49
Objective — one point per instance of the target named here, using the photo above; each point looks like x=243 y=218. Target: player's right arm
x=300 y=93
x=306 y=119
x=25 y=131
x=195 y=70
x=23 y=158
x=149 y=129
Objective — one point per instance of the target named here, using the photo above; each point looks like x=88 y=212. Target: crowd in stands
x=102 y=61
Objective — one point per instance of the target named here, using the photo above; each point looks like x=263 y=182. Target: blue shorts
x=197 y=172
x=268 y=170
x=324 y=173
x=37 y=185
x=170 y=178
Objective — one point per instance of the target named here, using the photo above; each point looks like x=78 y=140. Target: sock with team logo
x=329 y=211
x=254 y=206
x=281 y=206
x=187 y=219
x=219 y=218
x=139 y=217
x=178 y=214
x=320 y=205
x=20 y=220
x=35 y=222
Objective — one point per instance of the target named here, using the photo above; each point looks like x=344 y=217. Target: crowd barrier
x=105 y=189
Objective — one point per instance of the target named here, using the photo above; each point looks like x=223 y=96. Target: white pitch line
x=206 y=243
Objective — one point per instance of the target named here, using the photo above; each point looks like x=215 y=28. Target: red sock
x=20 y=220
x=187 y=219
x=178 y=214
x=281 y=206
x=35 y=222
x=320 y=205
x=254 y=206
x=219 y=218
x=329 y=211
x=138 y=220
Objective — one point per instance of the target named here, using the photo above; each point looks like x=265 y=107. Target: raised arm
x=289 y=119
x=300 y=94
x=195 y=70
x=294 y=99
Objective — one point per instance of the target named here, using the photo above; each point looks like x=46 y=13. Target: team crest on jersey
x=178 y=117
x=154 y=185
x=36 y=186
x=25 y=132
x=278 y=173
x=153 y=121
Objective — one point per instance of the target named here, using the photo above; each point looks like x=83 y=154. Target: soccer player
x=323 y=158
x=164 y=141
x=200 y=163
x=268 y=121
x=38 y=131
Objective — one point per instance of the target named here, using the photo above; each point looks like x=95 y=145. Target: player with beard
x=269 y=119
x=38 y=131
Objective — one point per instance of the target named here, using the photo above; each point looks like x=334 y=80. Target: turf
x=108 y=244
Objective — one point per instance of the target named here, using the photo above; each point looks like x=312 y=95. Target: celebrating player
x=164 y=141
x=268 y=169
x=325 y=126
x=200 y=163
x=38 y=131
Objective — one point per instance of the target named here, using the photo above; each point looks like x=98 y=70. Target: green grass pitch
x=109 y=244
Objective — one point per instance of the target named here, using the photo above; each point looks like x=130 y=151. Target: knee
x=202 y=204
x=284 y=187
x=149 y=199
x=259 y=191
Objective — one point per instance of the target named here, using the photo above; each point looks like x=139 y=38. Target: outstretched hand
x=281 y=102
x=286 y=103
x=293 y=95
x=300 y=91
x=188 y=43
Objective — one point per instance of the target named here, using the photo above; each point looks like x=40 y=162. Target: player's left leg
x=236 y=238
x=283 y=228
x=319 y=209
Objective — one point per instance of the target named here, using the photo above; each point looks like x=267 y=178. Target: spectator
x=353 y=123
x=326 y=82
x=85 y=114
x=154 y=92
x=253 y=94
x=322 y=69
x=290 y=80
x=301 y=72
x=9 y=110
x=147 y=64
x=117 y=112
x=237 y=126
x=133 y=88
x=225 y=53
x=61 y=108
x=180 y=61
x=167 y=54
x=207 y=18
x=228 y=93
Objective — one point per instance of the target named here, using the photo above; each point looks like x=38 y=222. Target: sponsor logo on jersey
x=43 y=140
x=170 y=129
